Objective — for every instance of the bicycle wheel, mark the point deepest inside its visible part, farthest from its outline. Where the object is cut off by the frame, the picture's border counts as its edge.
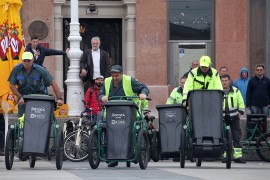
(182, 148)
(155, 147)
(143, 149)
(93, 150)
(73, 152)
(59, 150)
(229, 148)
(9, 149)
(263, 147)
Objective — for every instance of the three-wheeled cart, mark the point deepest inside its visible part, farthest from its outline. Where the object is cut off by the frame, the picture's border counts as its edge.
(121, 136)
(31, 136)
(209, 137)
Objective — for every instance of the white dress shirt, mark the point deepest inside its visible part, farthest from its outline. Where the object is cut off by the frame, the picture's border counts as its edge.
(96, 63)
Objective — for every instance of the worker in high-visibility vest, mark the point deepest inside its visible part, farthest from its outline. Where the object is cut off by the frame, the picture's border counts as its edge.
(233, 107)
(176, 95)
(120, 84)
(202, 77)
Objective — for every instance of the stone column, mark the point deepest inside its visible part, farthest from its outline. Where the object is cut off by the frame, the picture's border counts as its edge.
(58, 44)
(74, 84)
(130, 37)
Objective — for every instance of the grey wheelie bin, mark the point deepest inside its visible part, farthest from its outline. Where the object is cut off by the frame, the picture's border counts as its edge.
(206, 116)
(171, 121)
(120, 117)
(39, 114)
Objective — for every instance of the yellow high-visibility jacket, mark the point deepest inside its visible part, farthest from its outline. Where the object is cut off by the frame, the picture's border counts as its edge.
(196, 81)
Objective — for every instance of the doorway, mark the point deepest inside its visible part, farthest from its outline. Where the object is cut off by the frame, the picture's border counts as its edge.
(109, 31)
(181, 56)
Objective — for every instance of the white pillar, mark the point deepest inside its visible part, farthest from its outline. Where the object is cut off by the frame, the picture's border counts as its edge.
(74, 84)
(58, 44)
(130, 38)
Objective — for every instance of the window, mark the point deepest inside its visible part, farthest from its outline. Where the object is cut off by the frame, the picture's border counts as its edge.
(190, 19)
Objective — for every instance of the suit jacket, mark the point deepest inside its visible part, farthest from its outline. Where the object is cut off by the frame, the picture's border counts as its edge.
(87, 63)
(43, 52)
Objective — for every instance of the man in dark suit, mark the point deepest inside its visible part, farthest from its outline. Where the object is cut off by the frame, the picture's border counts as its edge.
(39, 52)
(94, 62)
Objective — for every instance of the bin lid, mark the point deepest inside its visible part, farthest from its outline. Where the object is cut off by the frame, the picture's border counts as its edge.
(169, 106)
(202, 91)
(39, 97)
(120, 103)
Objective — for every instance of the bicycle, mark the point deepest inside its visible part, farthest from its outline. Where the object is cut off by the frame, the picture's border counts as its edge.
(153, 136)
(76, 142)
(257, 138)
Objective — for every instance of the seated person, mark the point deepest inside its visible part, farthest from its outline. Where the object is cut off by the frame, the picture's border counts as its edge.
(31, 78)
(120, 84)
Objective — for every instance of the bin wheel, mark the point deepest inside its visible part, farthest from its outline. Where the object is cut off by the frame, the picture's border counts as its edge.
(74, 152)
(93, 150)
(128, 164)
(32, 161)
(135, 161)
(263, 147)
(143, 149)
(198, 162)
(59, 150)
(9, 149)
(229, 149)
(155, 153)
(182, 148)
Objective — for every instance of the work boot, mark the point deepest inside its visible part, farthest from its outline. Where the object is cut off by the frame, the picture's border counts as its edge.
(240, 160)
(113, 164)
(224, 160)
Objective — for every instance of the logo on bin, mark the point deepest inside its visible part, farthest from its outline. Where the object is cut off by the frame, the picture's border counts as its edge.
(118, 118)
(170, 116)
(38, 113)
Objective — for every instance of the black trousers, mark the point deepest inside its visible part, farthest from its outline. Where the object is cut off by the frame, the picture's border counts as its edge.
(234, 123)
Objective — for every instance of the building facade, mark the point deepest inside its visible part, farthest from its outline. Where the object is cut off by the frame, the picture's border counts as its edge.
(156, 40)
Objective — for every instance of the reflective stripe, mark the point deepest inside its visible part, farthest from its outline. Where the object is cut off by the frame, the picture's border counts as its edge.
(232, 109)
(232, 114)
(172, 98)
(241, 109)
(237, 153)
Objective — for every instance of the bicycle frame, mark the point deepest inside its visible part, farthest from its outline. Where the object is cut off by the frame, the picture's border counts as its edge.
(252, 138)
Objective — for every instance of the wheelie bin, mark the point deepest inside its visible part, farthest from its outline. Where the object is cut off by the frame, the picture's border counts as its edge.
(171, 121)
(39, 114)
(120, 117)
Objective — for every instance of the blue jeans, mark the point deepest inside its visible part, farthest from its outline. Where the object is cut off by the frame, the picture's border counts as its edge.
(259, 110)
